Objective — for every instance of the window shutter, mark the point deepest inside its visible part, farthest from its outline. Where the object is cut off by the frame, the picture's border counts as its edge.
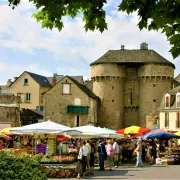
(66, 88)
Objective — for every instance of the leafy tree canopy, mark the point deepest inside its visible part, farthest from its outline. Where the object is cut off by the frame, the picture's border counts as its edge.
(153, 15)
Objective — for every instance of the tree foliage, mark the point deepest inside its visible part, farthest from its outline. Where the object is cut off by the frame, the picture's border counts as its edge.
(157, 15)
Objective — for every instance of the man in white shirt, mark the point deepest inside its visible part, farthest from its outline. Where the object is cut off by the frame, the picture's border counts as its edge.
(83, 152)
(116, 152)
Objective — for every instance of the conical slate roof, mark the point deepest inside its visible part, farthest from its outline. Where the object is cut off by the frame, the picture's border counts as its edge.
(132, 56)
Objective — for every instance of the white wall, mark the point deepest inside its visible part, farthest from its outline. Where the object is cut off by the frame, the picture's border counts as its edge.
(172, 121)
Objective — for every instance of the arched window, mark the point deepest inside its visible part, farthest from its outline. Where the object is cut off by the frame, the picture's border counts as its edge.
(167, 100)
(178, 99)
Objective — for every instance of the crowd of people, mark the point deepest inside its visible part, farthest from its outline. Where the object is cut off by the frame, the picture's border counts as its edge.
(112, 152)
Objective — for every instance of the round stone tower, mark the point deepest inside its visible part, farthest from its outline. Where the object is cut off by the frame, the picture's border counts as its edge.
(130, 84)
(108, 84)
(154, 80)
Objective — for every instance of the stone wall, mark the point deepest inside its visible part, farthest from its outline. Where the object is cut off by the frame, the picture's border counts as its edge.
(9, 99)
(10, 115)
(9, 109)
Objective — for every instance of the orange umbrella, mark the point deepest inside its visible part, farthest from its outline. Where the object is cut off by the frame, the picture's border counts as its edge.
(133, 130)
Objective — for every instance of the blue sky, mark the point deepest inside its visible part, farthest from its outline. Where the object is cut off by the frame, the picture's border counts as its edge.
(24, 45)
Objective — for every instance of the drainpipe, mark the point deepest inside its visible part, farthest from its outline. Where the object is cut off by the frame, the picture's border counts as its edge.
(44, 113)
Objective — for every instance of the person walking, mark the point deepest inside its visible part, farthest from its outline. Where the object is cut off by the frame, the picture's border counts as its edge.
(88, 157)
(92, 158)
(110, 155)
(116, 152)
(129, 151)
(82, 160)
(102, 154)
(138, 152)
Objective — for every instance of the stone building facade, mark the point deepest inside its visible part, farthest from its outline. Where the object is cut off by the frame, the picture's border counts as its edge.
(70, 103)
(9, 110)
(130, 84)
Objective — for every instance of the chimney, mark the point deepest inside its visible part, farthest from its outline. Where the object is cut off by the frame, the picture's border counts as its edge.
(122, 47)
(15, 78)
(144, 46)
(54, 80)
(9, 82)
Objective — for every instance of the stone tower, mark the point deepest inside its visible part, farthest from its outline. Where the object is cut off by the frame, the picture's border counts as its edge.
(130, 84)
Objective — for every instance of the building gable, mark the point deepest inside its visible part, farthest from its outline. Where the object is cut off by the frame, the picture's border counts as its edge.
(41, 80)
(82, 87)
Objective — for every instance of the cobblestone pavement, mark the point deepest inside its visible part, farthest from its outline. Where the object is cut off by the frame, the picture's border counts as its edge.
(147, 172)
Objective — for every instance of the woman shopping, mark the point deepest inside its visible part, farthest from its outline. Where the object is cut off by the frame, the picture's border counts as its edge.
(138, 152)
(110, 154)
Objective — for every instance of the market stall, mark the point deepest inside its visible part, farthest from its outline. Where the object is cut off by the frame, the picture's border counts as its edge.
(171, 155)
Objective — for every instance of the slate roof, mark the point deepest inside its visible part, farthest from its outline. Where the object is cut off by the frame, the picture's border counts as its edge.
(132, 56)
(41, 80)
(77, 78)
(174, 91)
(177, 78)
(172, 94)
(83, 88)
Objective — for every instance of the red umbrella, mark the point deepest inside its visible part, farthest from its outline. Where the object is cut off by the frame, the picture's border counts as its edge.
(62, 138)
(136, 136)
(133, 130)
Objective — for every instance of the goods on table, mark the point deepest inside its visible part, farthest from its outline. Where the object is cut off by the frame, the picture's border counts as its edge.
(51, 146)
(57, 159)
(60, 171)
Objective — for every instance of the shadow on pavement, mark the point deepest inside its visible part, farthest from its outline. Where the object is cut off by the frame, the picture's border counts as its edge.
(111, 174)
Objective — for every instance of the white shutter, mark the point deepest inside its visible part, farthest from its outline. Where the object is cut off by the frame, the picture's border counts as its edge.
(66, 88)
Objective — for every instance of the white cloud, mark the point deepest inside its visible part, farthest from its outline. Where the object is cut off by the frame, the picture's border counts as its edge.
(9, 71)
(21, 33)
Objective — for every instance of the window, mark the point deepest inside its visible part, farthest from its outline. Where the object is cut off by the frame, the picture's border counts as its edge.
(178, 100)
(66, 88)
(154, 85)
(178, 120)
(112, 100)
(167, 100)
(154, 100)
(166, 119)
(131, 98)
(25, 82)
(21, 96)
(28, 97)
(112, 87)
(77, 101)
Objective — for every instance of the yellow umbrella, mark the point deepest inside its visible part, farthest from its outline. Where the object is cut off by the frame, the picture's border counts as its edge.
(6, 130)
(177, 133)
(133, 130)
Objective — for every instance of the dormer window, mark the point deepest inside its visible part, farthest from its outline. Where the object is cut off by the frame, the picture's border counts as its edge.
(25, 82)
(178, 99)
(167, 100)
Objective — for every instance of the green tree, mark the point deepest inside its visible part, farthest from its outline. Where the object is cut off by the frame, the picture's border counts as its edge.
(157, 15)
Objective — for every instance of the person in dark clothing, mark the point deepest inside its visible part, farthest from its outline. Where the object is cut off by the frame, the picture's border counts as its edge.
(92, 158)
(143, 152)
(102, 154)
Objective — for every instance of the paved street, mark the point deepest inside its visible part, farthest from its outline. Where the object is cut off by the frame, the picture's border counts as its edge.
(148, 172)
